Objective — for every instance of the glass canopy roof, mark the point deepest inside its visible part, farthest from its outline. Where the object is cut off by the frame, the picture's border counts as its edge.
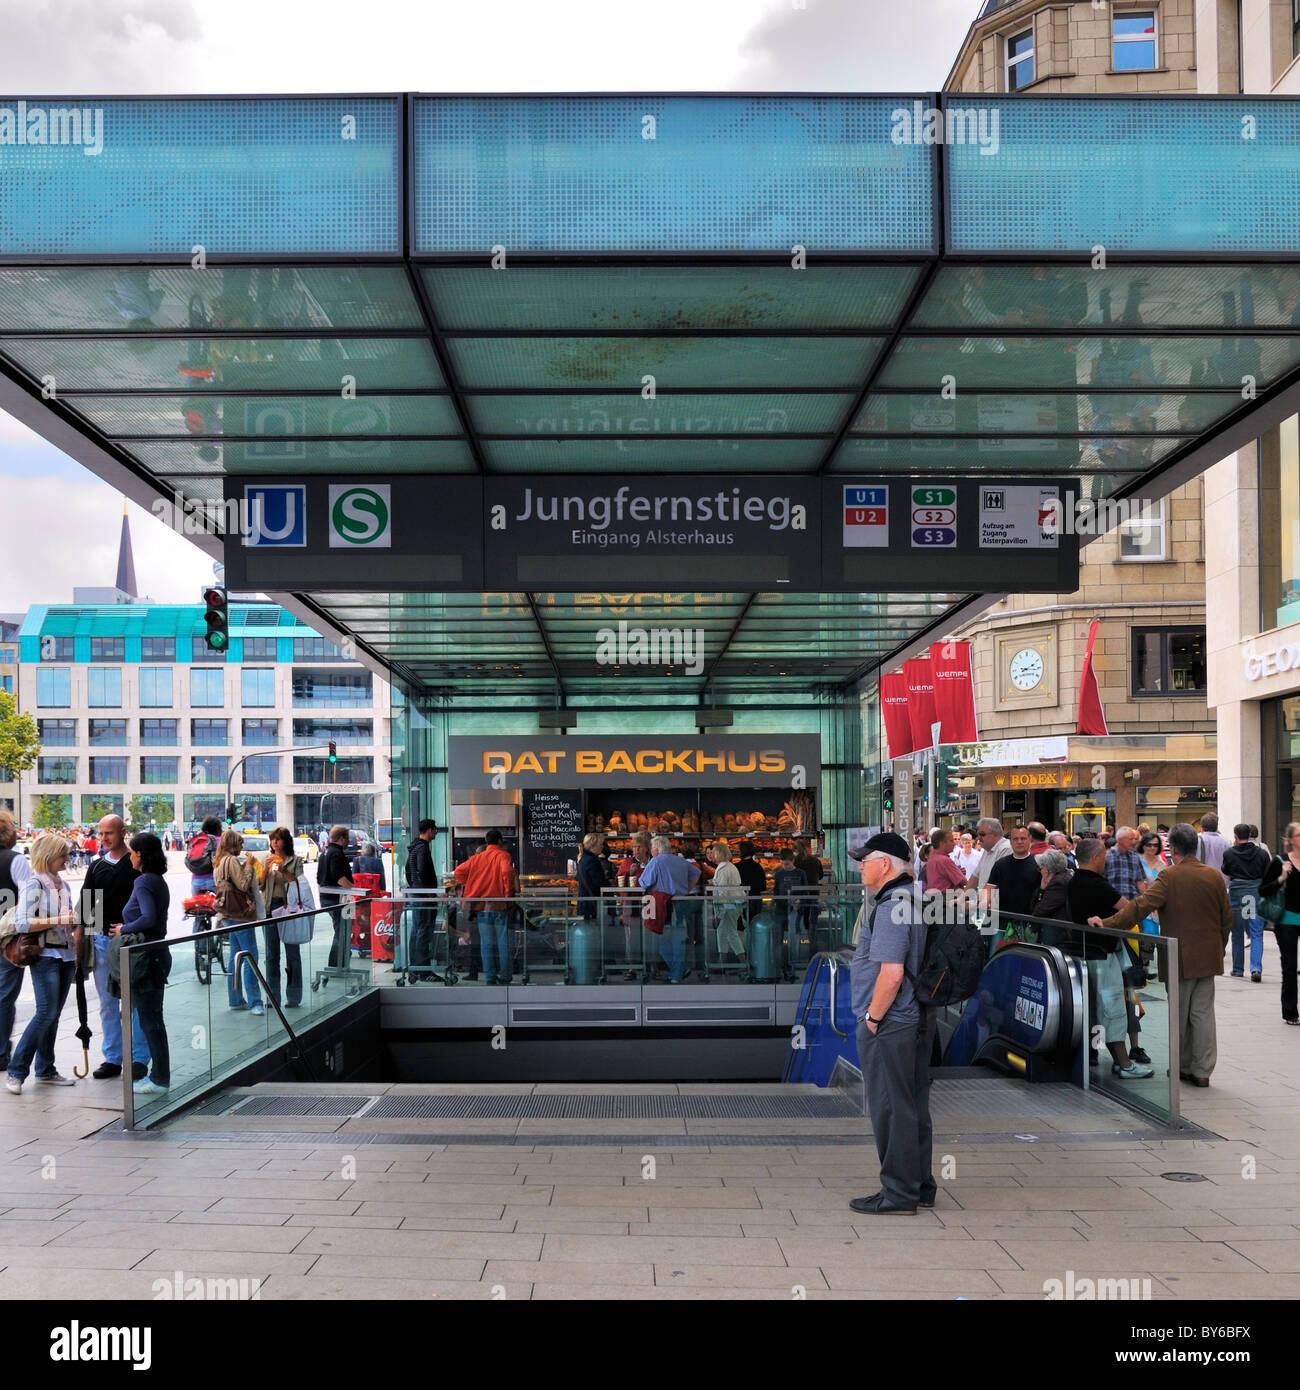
(778, 284)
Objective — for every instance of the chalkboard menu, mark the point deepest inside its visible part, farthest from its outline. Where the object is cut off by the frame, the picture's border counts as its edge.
(553, 830)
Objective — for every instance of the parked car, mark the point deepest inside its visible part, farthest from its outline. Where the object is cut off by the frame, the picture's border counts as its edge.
(306, 848)
(257, 844)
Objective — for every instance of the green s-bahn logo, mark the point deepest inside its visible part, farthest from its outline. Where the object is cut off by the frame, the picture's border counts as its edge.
(361, 515)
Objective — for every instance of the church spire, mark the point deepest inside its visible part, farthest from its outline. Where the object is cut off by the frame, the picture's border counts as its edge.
(125, 560)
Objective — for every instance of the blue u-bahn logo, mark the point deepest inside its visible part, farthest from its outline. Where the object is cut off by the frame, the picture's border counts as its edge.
(275, 515)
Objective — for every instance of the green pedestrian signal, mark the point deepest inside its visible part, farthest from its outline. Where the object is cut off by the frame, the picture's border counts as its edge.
(216, 615)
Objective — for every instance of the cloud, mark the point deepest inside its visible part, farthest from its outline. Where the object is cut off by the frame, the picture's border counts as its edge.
(69, 536)
(846, 45)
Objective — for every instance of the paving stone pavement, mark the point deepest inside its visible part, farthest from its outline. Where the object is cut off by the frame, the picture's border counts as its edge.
(302, 1219)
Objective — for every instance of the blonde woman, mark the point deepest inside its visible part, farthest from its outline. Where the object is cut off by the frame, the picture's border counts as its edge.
(283, 885)
(45, 904)
(231, 868)
(1288, 929)
(728, 894)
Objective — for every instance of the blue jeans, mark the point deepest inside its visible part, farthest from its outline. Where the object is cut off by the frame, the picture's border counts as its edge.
(494, 941)
(51, 979)
(148, 1016)
(292, 965)
(1239, 889)
(672, 944)
(110, 1013)
(11, 983)
(244, 938)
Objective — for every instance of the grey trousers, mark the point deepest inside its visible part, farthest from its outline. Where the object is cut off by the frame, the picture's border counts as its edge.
(1198, 1038)
(896, 1074)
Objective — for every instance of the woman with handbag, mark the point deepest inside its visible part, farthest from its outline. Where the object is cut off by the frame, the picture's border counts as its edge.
(145, 917)
(286, 891)
(239, 902)
(1282, 873)
(47, 940)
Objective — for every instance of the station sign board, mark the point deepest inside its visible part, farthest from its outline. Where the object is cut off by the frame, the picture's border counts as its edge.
(761, 533)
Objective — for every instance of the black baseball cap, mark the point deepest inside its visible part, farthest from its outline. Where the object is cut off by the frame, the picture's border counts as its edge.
(884, 843)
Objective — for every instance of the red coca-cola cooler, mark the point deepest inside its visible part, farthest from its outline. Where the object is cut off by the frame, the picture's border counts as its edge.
(361, 911)
(383, 926)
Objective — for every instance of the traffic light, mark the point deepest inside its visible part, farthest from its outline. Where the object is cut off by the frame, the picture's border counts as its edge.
(887, 794)
(230, 814)
(334, 757)
(942, 789)
(217, 616)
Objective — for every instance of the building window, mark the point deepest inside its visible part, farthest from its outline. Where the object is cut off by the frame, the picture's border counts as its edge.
(57, 733)
(259, 648)
(108, 648)
(96, 805)
(8, 685)
(158, 733)
(261, 771)
(56, 649)
(155, 687)
(160, 809)
(345, 770)
(1279, 525)
(207, 689)
(321, 648)
(1295, 28)
(7, 655)
(1020, 60)
(209, 769)
(53, 687)
(257, 811)
(108, 733)
(340, 730)
(258, 687)
(56, 771)
(104, 688)
(209, 733)
(1143, 538)
(202, 652)
(1134, 46)
(261, 732)
(255, 617)
(326, 689)
(107, 772)
(198, 806)
(158, 648)
(159, 771)
(1169, 661)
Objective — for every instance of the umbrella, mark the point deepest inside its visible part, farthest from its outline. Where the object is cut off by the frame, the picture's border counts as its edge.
(83, 1032)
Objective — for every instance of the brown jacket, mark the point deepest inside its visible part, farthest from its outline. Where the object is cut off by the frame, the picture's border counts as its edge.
(1193, 905)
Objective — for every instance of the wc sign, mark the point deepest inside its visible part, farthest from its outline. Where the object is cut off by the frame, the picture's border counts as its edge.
(361, 516)
(274, 515)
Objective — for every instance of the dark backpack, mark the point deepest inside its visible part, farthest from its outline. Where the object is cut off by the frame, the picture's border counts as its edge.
(951, 965)
(198, 858)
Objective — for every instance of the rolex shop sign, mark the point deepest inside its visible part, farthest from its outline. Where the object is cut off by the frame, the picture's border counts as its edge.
(733, 760)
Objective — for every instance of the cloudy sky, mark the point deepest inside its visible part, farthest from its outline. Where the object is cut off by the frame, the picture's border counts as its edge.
(111, 47)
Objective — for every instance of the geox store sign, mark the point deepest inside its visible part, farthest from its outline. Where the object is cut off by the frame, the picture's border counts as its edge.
(729, 761)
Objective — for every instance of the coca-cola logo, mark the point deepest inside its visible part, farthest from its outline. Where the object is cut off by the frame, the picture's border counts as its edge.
(384, 928)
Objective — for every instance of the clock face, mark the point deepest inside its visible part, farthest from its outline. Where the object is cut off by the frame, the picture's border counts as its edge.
(1026, 669)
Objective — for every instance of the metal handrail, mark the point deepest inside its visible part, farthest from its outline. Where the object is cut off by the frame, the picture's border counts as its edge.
(297, 1051)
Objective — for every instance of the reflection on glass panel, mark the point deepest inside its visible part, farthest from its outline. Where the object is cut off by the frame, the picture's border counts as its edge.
(983, 413)
(672, 414)
(1134, 47)
(719, 455)
(278, 419)
(269, 364)
(1279, 525)
(1075, 296)
(1012, 364)
(758, 298)
(1117, 454)
(177, 461)
(125, 299)
(604, 363)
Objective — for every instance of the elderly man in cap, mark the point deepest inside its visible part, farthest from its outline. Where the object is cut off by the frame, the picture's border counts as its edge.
(894, 1031)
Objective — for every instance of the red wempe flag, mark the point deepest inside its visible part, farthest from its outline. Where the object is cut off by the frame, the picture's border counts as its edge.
(893, 705)
(920, 700)
(954, 691)
(1092, 718)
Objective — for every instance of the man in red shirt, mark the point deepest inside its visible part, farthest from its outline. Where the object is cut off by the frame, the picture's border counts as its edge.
(941, 874)
(1038, 842)
(490, 878)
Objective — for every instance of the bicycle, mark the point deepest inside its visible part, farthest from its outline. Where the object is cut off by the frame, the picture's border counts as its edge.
(202, 909)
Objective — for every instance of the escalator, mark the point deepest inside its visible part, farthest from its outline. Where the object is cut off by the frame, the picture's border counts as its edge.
(1026, 1019)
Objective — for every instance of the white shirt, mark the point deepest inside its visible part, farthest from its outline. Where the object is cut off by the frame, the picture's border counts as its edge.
(989, 858)
(967, 860)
